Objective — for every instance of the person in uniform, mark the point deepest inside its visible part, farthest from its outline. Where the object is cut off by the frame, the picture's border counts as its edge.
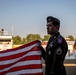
(56, 49)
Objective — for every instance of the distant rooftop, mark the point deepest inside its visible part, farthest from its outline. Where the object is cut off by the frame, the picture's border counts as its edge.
(71, 42)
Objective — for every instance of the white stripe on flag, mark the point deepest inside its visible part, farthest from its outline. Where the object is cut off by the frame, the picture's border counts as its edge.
(25, 72)
(23, 63)
(16, 59)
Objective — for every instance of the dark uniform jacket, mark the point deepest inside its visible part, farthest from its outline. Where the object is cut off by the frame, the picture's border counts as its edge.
(55, 54)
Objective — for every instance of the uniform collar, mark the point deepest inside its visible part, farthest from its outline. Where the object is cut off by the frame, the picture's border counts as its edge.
(55, 34)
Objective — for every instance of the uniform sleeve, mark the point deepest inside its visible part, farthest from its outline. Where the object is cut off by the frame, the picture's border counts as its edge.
(59, 54)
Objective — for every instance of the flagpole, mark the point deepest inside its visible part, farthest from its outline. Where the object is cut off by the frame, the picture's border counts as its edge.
(12, 36)
(12, 30)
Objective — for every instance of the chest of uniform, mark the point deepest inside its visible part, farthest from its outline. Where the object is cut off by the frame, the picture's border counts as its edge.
(51, 47)
(54, 46)
(52, 43)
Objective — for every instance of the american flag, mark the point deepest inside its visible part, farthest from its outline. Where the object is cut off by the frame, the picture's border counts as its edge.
(23, 60)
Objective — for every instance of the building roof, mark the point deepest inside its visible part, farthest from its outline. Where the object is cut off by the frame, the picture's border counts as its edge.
(5, 37)
(70, 42)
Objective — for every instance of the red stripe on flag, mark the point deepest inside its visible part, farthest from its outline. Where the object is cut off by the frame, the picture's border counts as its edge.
(37, 57)
(32, 74)
(19, 54)
(25, 67)
(34, 66)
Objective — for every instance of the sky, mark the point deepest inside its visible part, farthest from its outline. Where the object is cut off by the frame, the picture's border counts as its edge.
(23, 17)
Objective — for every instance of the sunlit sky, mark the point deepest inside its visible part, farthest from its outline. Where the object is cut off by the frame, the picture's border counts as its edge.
(23, 17)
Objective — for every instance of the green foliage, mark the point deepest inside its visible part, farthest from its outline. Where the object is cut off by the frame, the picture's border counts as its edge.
(71, 37)
(46, 37)
(17, 40)
(32, 37)
(24, 41)
(29, 38)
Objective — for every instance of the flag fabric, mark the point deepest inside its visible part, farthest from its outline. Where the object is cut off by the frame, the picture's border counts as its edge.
(23, 60)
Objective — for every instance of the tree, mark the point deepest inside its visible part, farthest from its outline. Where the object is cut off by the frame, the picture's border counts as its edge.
(17, 40)
(32, 37)
(71, 37)
(46, 37)
(24, 41)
